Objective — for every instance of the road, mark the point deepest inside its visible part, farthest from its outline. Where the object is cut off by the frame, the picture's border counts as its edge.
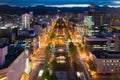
(39, 61)
(60, 43)
(80, 66)
(39, 64)
(83, 66)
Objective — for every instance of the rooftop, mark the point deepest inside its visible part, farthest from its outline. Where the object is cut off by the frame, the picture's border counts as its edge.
(96, 36)
(107, 54)
(99, 37)
(26, 34)
(2, 45)
(13, 53)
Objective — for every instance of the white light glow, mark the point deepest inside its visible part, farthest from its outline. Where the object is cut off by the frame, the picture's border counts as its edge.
(117, 6)
(116, 2)
(40, 73)
(78, 74)
(3, 28)
(60, 50)
(69, 5)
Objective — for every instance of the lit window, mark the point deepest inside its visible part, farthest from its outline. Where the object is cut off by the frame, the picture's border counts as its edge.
(111, 63)
(117, 61)
(112, 70)
(103, 60)
(108, 64)
(107, 60)
(114, 60)
(110, 60)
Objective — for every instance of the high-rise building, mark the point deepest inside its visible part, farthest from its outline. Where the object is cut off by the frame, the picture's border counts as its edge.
(98, 19)
(88, 24)
(92, 8)
(26, 21)
(31, 15)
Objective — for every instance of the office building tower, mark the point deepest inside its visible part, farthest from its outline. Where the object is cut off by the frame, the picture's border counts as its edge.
(26, 21)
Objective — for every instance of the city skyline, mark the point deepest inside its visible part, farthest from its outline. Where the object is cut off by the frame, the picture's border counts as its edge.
(60, 40)
(60, 3)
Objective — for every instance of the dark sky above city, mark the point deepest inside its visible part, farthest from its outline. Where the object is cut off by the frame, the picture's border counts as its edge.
(61, 3)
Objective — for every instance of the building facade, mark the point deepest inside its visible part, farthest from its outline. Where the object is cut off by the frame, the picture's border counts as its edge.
(97, 43)
(26, 21)
(107, 61)
(14, 69)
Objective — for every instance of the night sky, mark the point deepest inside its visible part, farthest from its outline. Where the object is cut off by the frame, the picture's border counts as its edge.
(59, 3)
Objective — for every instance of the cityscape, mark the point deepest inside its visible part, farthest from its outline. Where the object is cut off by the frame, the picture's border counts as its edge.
(75, 40)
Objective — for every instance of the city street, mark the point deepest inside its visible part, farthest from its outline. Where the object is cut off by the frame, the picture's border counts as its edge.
(39, 64)
(59, 39)
(74, 65)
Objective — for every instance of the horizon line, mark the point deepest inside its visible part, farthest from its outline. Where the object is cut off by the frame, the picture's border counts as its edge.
(62, 5)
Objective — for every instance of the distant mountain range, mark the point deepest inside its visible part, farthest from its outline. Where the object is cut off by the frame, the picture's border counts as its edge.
(5, 9)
